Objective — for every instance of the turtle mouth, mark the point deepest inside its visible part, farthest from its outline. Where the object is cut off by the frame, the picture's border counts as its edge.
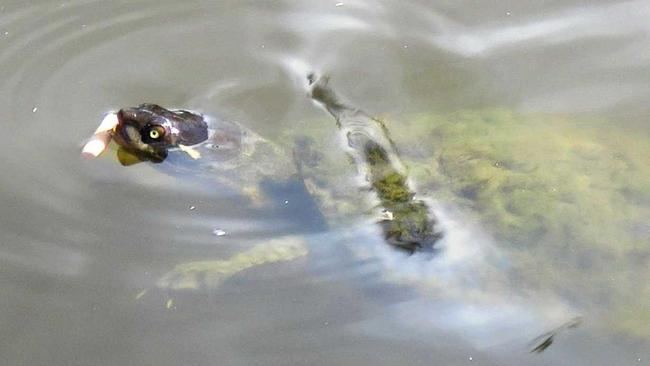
(128, 136)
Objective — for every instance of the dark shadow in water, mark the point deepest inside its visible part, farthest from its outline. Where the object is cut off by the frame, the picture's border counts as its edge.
(296, 202)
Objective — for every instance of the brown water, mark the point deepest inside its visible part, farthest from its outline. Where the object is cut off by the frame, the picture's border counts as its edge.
(79, 240)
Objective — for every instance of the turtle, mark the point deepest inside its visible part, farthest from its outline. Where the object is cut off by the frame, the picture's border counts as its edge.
(383, 189)
(237, 158)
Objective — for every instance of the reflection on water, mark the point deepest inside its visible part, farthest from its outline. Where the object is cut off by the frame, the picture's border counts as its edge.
(457, 85)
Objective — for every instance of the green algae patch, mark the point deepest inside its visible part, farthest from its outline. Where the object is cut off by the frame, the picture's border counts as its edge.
(569, 199)
(410, 224)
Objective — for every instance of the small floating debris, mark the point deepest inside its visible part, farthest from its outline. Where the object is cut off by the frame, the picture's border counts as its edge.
(218, 232)
(101, 138)
(170, 304)
(544, 341)
(193, 153)
(387, 215)
(338, 4)
(140, 294)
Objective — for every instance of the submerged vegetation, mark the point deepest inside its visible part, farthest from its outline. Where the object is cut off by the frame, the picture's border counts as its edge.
(411, 224)
(569, 199)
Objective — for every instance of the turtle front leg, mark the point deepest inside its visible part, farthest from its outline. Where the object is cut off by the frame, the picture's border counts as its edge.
(210, 274)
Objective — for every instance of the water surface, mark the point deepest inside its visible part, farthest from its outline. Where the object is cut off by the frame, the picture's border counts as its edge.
(555, 91)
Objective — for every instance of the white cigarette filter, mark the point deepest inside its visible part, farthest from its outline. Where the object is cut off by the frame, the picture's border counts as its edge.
(98, 143)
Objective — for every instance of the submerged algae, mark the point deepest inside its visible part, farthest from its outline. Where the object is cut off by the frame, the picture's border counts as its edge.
(569, 199)
(410, 224)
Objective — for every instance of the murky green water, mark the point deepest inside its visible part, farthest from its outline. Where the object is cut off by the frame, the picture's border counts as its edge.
(523, 123)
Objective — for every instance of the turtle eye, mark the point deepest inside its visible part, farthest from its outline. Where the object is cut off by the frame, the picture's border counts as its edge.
(153, 133)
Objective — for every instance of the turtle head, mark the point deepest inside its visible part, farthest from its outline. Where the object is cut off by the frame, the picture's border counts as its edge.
(149, 131)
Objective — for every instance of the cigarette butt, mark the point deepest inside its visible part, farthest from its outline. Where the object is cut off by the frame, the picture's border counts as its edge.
(96, 145)
(102, 137)
(108, 123)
